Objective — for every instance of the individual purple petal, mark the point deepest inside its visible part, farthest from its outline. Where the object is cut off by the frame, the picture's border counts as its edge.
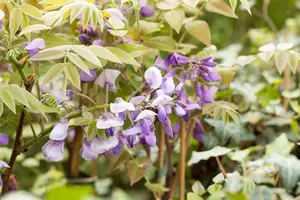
(168, 128)
(182, 97)
(117, 13)
(34, 46)
(3, 164)
(120, 106)
(206, 59)
(168, 85)
(198, 89)
(110, 131)
(107, 76)
(153, 77)
(117, 149)
(86, 78)
(54, 150)
(145, 114)
(101, 146)
(198, 131)
(146, 11)
(160, 64)
(161, 100)
(207, 94)
(214, 76)
(150, 139)
(57, 94)
(176, 59)
(132, 131)
(60, 130)
(85, 39)
(162, 116)
(180, 111)
(107, 122)
(4, 139)
(131, 140)
(122, 115)
(145, 125)
(86, 151)
(98, 42)
(176, 128)
(193, 106)
(180, 85)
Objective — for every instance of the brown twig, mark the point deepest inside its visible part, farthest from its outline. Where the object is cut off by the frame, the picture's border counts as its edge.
(74, 153)
(169, 174)
(182, 160)
(221, 167)
(161, 150)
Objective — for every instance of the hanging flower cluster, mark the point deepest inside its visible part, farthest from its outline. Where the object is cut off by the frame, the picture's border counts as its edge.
(4, 139)
(142, 111)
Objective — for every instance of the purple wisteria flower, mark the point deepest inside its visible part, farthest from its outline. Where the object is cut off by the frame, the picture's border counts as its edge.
(4, 139)
(205, 93)
(60, 130)
(86, 78)
(176, 59)
(116, 13)
(203, 68)
(54, 150)
(104, 145)
(198, 131)
(146, 11)
(57, 94)
(86, 151)
(107, 77)
(88, 35)
(120, 107)
(108, 121)
(153, 77)
(34, 46)
(2, 14)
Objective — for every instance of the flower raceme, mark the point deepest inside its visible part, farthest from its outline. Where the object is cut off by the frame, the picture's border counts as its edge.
(4, 139)
(142, 111)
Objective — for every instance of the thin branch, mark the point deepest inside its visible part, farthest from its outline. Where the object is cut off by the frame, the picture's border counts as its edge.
(222, 169)
(161, 149)
(182, 160)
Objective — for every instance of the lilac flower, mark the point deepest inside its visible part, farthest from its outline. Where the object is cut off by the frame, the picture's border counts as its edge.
(4, 139)
(137, 100)
(180, 109)
(120, 106)
(162, 115)
(2, 14)
(205, 93)
(116, 13)
(86, 78)
(180, 85)
(108, 121)
(86, 151)
(101, 146)
(176, 128)
(146, 11)
(117, 149)
(202, 68)
(160, 64)
(34, 46)
(176, 59)
(60, 130)
(107, 77)
(168, 85)
(161, 100)
(153, 77)
(54, 150)
(198, 131)
(131, 139)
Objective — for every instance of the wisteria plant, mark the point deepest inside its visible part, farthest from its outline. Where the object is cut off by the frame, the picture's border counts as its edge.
(116, 80)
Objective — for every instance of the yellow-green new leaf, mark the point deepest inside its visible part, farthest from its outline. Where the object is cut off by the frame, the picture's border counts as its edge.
(16, 92)
(34, 28)
(87, 54)
(192, 3)
(220, 7)
(31, 11)
(167, 4)
(227, 74)
(76, 10)
(293, 62)
(48, 54)
(200, 30)
(104, 53)
(135, 172)
(76, 60)
(246, 5)
(72, 75)
(233, 4)
(1, 107)
(15, 21)
(281, 60)
(55, 71)
(124, 57)
(8, 99)
(24, 24)
(175, 19)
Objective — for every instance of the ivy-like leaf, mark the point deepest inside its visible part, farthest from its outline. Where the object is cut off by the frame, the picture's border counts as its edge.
(118, 160)
(220, 7)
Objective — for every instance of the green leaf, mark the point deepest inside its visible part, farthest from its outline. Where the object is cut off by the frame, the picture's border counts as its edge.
(135, 50)
(104, 53)
(218, 178)
(86, 16)
(31, 11)
(233, 4)
(137, 169)
(48, 54)
(118, 160)
(164, 43)
(49, 100)
(17, 94)
(278, 143)
(193, 196)
(79, 121)
(72, 75)
(8, 99)
(192, 3)
(167, 4)
(76, 10)
(124, 57)
(91, 130)
(234, 183)
(205, 155)
(145, 29)
(24, 24)
(119, 33)
(34, 28)
(220, 7)
(293, 62)
(156, 188)
(175, 19)
(87, 54)
(76, 60)
(1, 107)
(281, 60)
(198, 188)
(227, 74)
(212, 189)
(55, 71)
(15, 21)
(246, 5)
(200, 30)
